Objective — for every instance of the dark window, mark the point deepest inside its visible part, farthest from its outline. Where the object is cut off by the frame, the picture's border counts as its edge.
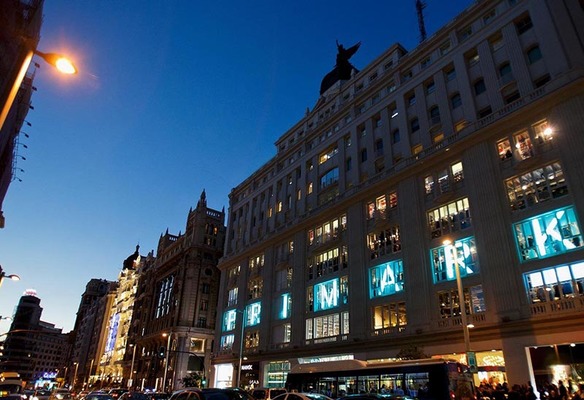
(395, 136)
(456, 100)
(504, 70)
(363, 155)
(485, 111)
(523, 24)
(205, 288)
(534, 54)
(450, 74)
(415, 124)
(511, 97)
(349, 163)
(542, 80)
(434, 115)
(479, 86)
(430, 87)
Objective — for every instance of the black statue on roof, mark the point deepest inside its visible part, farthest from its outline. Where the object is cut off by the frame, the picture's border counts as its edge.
(343, 69)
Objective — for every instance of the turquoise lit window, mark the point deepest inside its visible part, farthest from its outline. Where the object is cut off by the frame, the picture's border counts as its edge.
(229, 320)
(386, 279)
(442, 260)
(253, 312)
(547, 235)
(326, 295)
(555, 283)
(227, 342)
(285, 305)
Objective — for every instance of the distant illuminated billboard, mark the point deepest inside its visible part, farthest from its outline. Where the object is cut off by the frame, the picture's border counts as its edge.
(113, 333)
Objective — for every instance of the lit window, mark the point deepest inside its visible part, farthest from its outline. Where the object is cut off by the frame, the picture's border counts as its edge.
(523, 145)
(417, 149)
(429, 184)
(474, 302)
(451, 217)
(309, 188)
(386, 279)
(443, 260)
(229, 319)
(504, 149)
(536, 186)
(548, 234)
(392, 315)
(555, 283)
(253, 313)
(227, 342)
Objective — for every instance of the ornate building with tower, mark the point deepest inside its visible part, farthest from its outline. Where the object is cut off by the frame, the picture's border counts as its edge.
(173, 321)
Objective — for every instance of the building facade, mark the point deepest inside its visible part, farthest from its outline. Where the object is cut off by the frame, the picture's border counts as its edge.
(89, 333)
(20, 26)
(34, 348)
(461, 157)
(112, 366)
(173, 323)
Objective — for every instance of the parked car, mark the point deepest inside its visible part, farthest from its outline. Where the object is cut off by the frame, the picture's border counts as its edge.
(60, 394)
(375, 396)
(99, 396)
(267, 393)
(211, 394)
(301, 396)
(117, 392)
(41, 394)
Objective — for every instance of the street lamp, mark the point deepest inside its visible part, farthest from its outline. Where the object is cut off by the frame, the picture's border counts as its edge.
(241, 346)
(168, 335)
(58, 61)
(75, 374)
(11, 276)
(131, 380)
(461, 302)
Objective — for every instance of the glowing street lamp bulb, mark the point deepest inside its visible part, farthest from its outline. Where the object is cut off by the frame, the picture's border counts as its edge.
(65, 66)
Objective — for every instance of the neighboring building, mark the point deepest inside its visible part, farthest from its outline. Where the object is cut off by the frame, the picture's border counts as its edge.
(114, 360)
(20, 25)
(90, 330)
(337, 247)
(175, 308)
(34, 348)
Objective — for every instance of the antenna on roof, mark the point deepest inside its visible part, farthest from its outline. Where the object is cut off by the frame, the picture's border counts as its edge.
(420, 5)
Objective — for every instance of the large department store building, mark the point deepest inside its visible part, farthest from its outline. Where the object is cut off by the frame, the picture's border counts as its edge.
(337, 247)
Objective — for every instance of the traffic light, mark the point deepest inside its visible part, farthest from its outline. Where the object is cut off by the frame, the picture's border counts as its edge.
(162, 352)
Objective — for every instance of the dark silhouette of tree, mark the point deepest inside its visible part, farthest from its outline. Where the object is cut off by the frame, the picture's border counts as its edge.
(411, 352)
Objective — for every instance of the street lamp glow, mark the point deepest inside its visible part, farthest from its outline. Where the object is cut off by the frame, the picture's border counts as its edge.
(62, 63)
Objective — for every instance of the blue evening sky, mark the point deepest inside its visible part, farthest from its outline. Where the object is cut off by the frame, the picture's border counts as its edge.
(172, 97)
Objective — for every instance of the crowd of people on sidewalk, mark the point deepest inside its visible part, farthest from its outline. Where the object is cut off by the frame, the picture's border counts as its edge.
(547, 391)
